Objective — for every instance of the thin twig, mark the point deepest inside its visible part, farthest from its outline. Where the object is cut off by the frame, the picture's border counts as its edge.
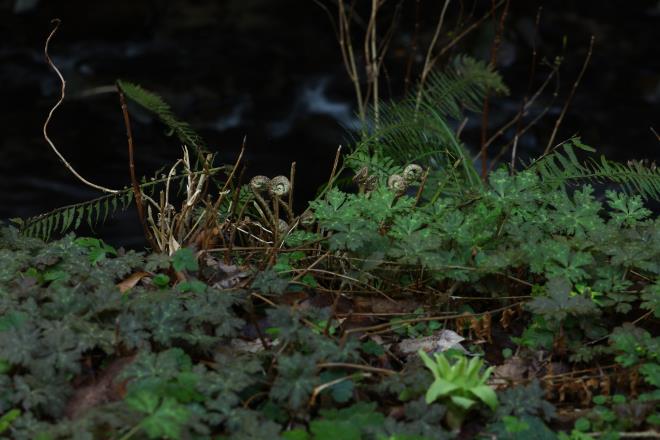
(356, 367)
(334, 167)
(420, 190)
(493, 61)
(57, 22)
(428, 64)
(463, 34)
(292, 180)
(570, 96)
(348, 56)
(346, 277)
(371, 55)
(137, 192)
(523, 104)
(413, 49)
(655, 133)
(389, 326)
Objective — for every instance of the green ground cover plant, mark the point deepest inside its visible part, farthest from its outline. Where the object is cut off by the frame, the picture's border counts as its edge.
(247, 320)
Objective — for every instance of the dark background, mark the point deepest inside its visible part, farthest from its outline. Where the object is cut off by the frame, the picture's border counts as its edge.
(271, 70)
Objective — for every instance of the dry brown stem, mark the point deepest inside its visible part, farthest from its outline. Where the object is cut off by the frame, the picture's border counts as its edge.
(68, 166)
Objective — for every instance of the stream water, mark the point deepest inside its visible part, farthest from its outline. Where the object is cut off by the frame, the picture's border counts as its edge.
(271, 71)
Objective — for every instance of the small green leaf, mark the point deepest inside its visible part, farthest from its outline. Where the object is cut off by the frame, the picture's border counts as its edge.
(486, 394)
(514, 424)
(582, 424)
(143, 400)
(463, 402)
(268, 281)
(439, 388)
(373, 348)
(161, 280)
(7, 418)
(618, 399)
(194, 286)
(167, 420)
(185, 259)
(296, 434)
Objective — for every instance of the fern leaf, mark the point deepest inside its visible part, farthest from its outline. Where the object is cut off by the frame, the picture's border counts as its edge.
(416, 129)
(79, 216)
(156, 105)
(105, 210)
(464, 84)
(562, 166)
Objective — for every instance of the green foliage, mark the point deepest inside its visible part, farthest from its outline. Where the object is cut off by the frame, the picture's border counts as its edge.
(96, 211)
(461, 385)
(559, 168)
(67, 218)
(415, 129)
(347, 423)
(269, 281)
(184, 259)
(581, 262)
(521, 401)
(559, 303)
(7, 418)
(155, 104)
(612, 415)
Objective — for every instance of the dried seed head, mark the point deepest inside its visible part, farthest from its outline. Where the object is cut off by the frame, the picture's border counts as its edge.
(282, 226)
(371, 183)
(259, 183)
(307, 218)
(397, 183)
(279, 186)
(413, 173)
(362, 175)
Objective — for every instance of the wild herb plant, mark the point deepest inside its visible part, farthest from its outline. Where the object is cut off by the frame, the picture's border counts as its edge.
(460, 383)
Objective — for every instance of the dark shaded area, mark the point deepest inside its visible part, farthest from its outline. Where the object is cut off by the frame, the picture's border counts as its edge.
(271, 71)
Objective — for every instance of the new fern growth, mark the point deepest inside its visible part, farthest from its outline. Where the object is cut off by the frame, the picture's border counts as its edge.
(416, 129)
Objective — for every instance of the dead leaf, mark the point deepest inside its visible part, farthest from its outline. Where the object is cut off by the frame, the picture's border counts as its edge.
(131, 281)
(513, 369)
(225, 276)
(100, 391)
(437, 343)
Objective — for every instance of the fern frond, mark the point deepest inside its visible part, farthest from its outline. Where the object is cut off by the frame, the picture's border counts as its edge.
(156, 105)
(562, 166)
(463, 85)
(416, 129)
(70, 217)
(95, 211)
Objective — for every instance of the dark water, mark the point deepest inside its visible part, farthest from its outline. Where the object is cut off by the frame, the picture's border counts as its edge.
(271, 70)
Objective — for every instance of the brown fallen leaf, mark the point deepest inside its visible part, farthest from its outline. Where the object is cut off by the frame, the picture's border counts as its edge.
(130, 282)
(225, 276)
(102, 390)
(513, 369)
(438, 342)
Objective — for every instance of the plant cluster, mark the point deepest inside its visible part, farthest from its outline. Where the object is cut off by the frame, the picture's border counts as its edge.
(250, 321)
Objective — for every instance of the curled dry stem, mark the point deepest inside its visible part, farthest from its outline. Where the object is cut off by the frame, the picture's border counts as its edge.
(52, 65)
